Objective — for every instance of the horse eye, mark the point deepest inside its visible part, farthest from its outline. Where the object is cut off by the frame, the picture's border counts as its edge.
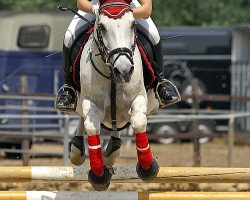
(102, 28)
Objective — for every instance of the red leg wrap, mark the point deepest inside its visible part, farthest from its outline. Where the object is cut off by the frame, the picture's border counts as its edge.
(95, 155)
(143, 150)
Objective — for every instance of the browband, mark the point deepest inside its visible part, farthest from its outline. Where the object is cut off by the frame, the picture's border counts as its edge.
(118, 4)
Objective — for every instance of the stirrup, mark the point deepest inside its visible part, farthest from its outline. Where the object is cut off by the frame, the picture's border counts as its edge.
(163, 105)
(72, 106)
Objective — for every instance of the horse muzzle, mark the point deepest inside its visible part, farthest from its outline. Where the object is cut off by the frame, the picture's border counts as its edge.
(123, 74)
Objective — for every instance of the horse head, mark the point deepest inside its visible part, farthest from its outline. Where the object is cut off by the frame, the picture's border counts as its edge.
(115, 38)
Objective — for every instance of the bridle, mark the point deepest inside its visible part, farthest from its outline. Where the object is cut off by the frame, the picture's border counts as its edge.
(105, 53)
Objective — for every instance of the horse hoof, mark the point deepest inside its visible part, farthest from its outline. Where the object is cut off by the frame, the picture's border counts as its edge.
(112, 151)
(100, 183)
(150, 173)
(77, 151)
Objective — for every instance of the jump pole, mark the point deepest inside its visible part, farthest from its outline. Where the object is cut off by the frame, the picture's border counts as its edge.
(127, 175)
(41, 195)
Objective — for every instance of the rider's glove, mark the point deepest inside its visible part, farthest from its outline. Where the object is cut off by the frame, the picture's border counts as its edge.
(95, 9)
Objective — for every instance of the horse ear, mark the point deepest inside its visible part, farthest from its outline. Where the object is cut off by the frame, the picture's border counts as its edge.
(110, 1)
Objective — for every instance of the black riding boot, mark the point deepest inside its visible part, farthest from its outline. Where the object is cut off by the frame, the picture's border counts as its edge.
(167, 92)
(66, 101)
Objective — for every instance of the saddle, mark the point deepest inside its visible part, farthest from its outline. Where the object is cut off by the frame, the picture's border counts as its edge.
(144, 44)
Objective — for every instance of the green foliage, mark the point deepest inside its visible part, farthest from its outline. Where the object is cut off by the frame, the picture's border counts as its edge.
(201, 13)
(34, 5)
(165, 12)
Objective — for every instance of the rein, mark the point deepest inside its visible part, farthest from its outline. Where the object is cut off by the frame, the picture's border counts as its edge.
(96, 68)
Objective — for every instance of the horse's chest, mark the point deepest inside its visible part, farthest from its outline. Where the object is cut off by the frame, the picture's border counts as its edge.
(123, 105)
(121, 100)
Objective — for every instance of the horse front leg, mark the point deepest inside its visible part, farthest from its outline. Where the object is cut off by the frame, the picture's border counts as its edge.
(77, 149)
(113, 149)
(147, 167)
(99, 176)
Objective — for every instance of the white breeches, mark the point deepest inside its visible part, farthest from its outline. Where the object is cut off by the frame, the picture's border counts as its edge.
(77, 26)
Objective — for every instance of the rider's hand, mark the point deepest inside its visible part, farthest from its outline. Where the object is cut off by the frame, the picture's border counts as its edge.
(95, 9)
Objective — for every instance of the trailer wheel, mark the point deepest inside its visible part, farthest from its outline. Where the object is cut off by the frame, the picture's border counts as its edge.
(205, 128)
(164, 130)
(13, 146)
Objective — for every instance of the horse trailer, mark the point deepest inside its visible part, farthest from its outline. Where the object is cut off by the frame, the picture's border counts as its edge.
(30, 63)
(30, 45)
(241, 73)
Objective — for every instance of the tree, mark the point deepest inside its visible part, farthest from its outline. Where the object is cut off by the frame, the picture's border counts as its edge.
(33, 5)
(165, 12)
(201, 13)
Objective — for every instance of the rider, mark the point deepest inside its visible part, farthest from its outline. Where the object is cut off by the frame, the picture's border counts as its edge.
(89, 9)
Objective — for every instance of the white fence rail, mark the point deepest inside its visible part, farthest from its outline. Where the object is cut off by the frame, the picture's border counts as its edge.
(62, 125)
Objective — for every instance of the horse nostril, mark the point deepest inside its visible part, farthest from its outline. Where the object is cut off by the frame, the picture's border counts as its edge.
(116, 71)
(131, 70)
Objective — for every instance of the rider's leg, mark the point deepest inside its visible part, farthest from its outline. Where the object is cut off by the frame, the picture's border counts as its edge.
(66, 100)
(166, 91)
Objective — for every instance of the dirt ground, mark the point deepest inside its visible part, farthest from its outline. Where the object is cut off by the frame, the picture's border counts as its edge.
(213, 154)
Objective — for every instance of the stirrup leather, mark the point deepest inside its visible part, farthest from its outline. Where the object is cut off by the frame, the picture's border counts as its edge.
(72, 106)
(162, 105)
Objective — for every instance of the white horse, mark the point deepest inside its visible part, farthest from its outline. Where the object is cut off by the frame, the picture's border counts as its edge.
(111, 57)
